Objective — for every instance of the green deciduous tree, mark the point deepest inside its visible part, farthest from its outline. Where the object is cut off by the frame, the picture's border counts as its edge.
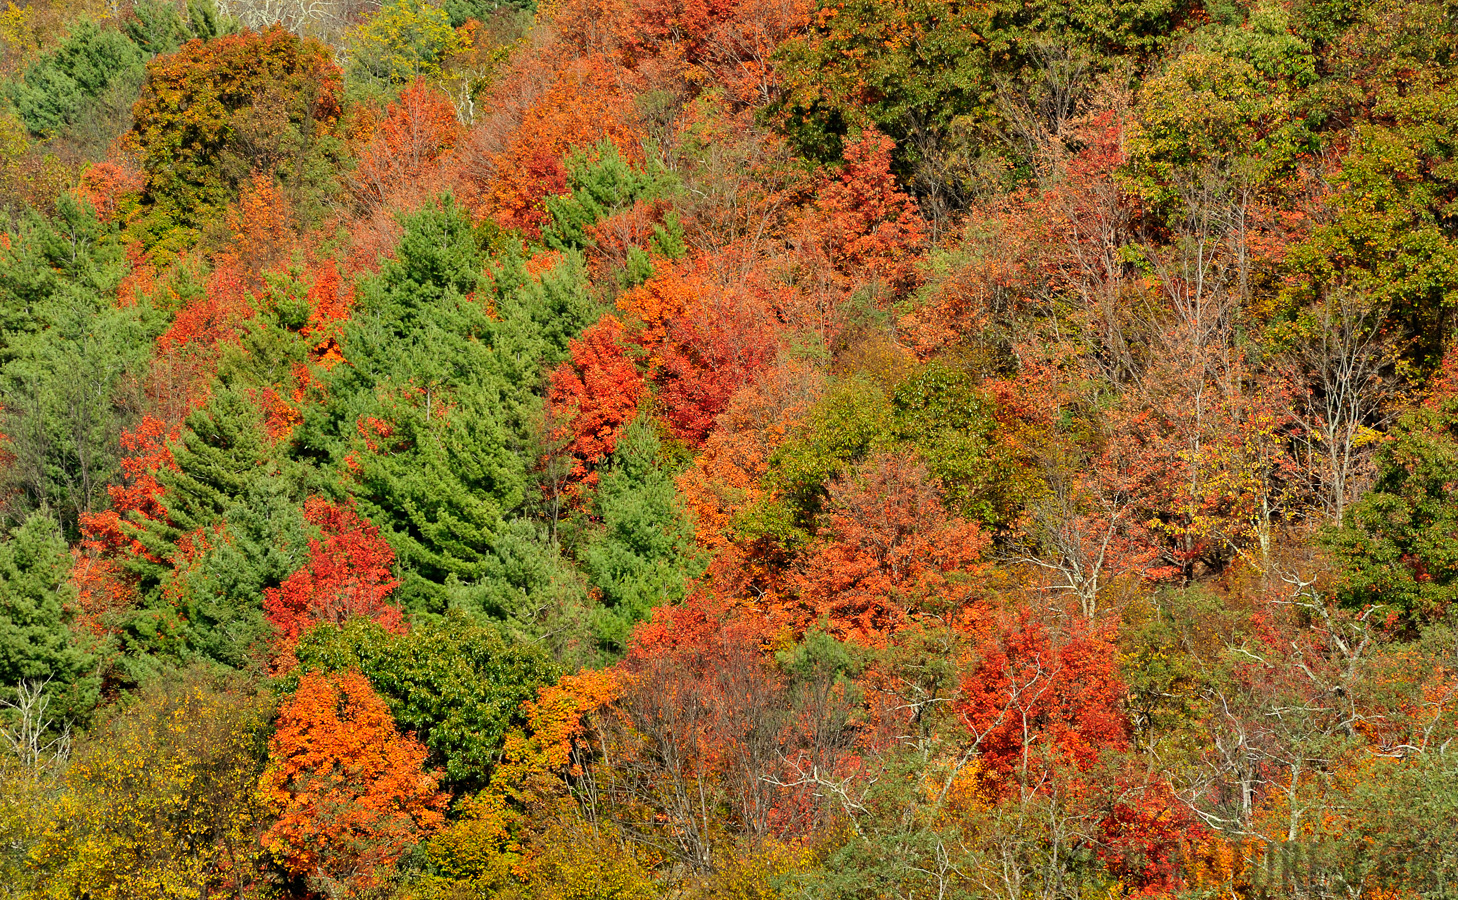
(1399, 544)
(456, 684)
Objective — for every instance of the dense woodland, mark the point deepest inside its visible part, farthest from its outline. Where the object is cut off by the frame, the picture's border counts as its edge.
(733, 449)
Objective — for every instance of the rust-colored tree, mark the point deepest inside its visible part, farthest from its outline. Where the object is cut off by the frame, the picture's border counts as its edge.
(720, 338)
(107, 184)
(869, 226)
(418, 129)
(187, 352)
(888, 554)
(330, 302)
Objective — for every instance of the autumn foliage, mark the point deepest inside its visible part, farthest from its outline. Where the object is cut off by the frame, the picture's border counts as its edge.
(1038, 701)
(867, 224)
(592, 397)
(728, 448)
(417, 129)
(350, 791)
(347, 575)
(888, 554)
(583, 106)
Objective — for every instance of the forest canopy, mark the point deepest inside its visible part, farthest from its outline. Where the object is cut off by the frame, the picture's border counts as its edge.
(749, 449)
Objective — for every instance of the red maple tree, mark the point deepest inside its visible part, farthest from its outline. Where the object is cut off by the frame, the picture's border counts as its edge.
(592, 398)
(347, 575)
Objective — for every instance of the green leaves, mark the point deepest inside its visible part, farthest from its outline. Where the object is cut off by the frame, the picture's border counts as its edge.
(457, 685)
(67, 355)
(1399, 545)
(601, 184)
(36, 642)
(423, 413)
(938, 411)
(57, 85)
(643, 556)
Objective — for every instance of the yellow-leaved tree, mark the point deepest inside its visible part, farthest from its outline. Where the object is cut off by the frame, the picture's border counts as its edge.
(405, 40)
(160, 800)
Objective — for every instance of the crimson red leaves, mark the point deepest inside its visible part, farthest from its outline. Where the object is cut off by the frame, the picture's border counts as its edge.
(347, 575)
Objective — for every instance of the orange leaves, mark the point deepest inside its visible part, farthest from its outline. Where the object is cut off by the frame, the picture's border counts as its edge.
(264, 230)
(555, 718)
(103, 589)
(724, 478)
(535, 762)
(889, 551)
(348, 574)
(279, 416)
(104, 184)
(330, 301)
(1039, 701)
(188, 351)
(651, 306)
(418, 129)
(704, 340)
(591, 400)
(869, 225)
(698, 44)
(350, 791)
(213, 318)
(584, 105)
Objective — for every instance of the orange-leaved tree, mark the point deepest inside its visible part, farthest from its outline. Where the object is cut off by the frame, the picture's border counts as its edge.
(265, 229)
(350, 791)
(584, 105)
(888, 553)
(869, 226)
(721, 336)
(417, 130)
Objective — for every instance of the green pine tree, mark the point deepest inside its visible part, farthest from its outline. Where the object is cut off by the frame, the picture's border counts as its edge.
(643, 555)
(36, 641)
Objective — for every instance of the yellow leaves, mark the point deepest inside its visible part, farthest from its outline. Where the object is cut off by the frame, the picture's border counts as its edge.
(481, 849)
(1365, 436)
(160, 804)
(578, 861)
(406, 40)
(18, 37)
(752, 871)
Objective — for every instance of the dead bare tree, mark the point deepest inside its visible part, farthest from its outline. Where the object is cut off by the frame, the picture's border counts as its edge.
(1346, 363)
(34, 740)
